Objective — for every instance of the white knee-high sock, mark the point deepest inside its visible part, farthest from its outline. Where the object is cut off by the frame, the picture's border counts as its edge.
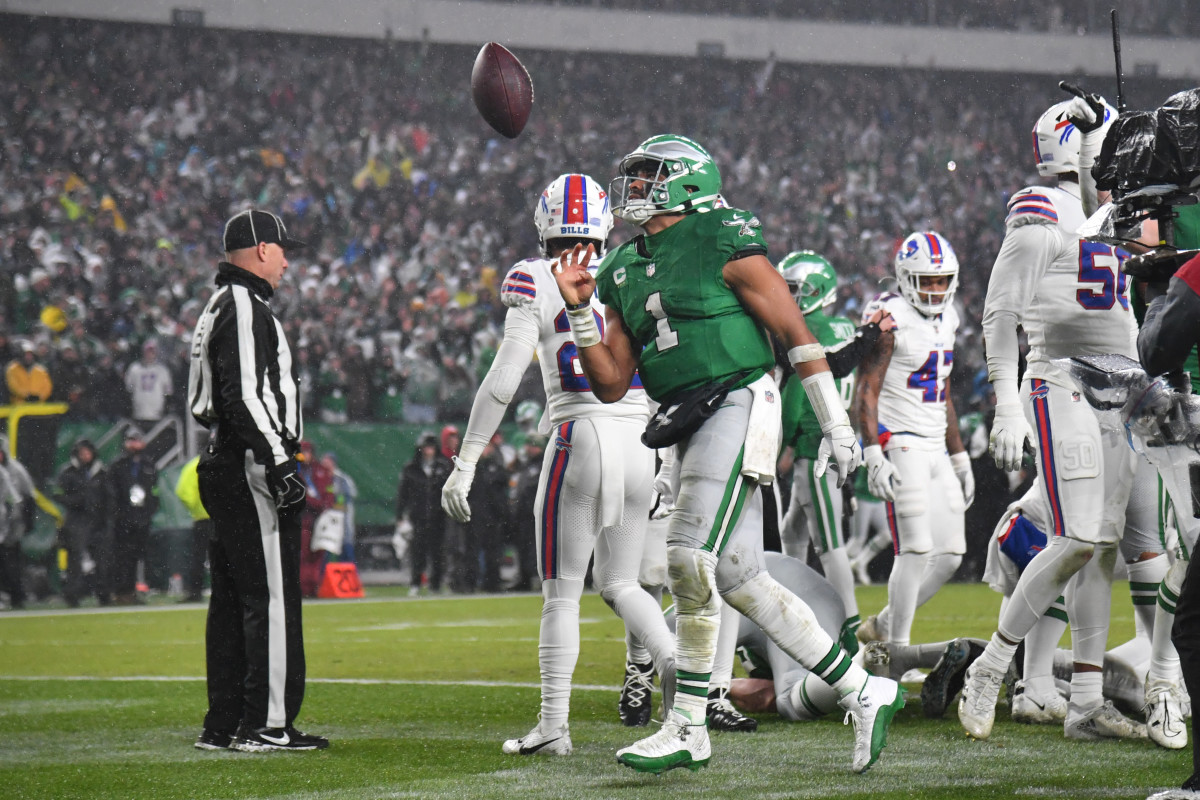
(1144, 579)
(697, 623)
(904, 586)
(1040, 645)
(836, 564)
(1089, 603)
(790, 623)
(635, 651)
(644, 619)
(1043, 580)
(1164, 661)
(722, 671)
(558, 647)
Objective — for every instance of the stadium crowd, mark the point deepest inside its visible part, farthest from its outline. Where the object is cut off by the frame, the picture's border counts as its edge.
(126, 147)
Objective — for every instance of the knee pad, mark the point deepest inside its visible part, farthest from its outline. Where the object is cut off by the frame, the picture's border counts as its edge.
(692, 574)
(611, 593)
(910, 501)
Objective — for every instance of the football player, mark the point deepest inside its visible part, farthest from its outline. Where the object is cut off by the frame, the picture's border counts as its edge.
(815, 510)
(689, 303)
(594, 495)
(1070, 297)
(911, 445)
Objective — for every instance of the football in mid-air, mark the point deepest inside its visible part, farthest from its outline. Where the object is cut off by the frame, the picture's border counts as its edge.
(502, 90)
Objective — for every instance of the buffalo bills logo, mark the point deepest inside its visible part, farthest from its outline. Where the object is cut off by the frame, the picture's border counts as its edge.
(562, 445)
(911, 248)
(1041, 392)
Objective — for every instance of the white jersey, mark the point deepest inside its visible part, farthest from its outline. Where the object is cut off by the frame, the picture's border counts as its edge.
(1069, 295)
(536, 309)
(149, 386)
(913, 396)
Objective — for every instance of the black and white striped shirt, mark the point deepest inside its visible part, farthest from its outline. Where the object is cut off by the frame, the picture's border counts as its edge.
(242, 376)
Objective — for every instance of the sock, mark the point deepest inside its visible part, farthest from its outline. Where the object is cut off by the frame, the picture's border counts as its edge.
(1040, 645)
(697, 625)
(904, 586)
(1164, 661)
(722, 671)
(1144, 579)
(558, 648)
(998, 654)
(836, 565)
(1086, 690)
(644, 620)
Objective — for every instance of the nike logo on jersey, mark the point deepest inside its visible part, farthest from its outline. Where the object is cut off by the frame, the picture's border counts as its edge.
(528, 750)
(278, 740)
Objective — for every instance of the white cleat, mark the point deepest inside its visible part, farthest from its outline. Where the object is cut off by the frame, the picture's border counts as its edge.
(678, 743)
(540, 743)
(977, 706)
(858, 566)
(869, 631)
(1031, 708)
(1164, 720)
(1101, 722)
(871, 710)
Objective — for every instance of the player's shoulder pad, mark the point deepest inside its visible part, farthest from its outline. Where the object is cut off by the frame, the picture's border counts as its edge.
(520, 286)
(1033, 205)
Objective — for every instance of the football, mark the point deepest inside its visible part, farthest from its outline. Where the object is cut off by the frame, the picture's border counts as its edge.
(501, 89)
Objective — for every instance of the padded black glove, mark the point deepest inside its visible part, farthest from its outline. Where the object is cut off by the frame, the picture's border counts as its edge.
(286, 487)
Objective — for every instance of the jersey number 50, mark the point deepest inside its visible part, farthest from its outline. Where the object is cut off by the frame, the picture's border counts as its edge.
(1108, 276)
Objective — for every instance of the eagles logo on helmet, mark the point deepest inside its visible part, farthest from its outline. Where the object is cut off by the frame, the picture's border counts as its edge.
(926, 254)
(573, 206)
(675, 175)
(810, 278)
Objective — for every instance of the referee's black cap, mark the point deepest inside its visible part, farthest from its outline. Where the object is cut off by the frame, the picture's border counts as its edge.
(252, 227)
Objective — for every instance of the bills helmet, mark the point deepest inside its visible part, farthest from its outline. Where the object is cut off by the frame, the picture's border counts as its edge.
(576, 207)
(926, 254)
(810, 278)
(1056, 140)
(678, 176)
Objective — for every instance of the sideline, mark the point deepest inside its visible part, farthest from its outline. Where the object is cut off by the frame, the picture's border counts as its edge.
(349, 681)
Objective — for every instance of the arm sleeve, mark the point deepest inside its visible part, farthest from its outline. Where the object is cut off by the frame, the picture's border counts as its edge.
(1022, 261)
(1169, 331)
(501, 381)
(844, 358)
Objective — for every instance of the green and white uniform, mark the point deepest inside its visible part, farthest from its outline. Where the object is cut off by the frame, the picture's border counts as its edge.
(689, 329)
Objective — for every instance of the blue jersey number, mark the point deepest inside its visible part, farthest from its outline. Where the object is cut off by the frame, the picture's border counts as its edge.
(570, 371)
(1109, 279)
(925, 378)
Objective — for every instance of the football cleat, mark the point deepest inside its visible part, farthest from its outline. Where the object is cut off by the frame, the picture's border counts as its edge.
(261, 740)
(214, 740)
(1189, 791)
(977, 706)
(871, 711)
(1031, 708)
(722, 716)
(678, 743)
(869, 630)
(634, 703)
(1164, 720)
(541, 743)
(1101, 722)
(945, 680)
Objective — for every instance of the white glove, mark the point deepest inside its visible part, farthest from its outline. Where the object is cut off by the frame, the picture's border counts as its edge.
(1009, 434)
(882, 476)
(841, 445)
(401, 537)
(961, 462)
(458, 486)
(665, 485)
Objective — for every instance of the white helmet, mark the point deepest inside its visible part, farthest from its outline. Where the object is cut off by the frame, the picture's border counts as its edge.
(921, 254)
(573, 206)
(1056, 140)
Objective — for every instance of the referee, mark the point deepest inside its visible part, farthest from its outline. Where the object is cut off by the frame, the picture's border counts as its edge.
(243, 388)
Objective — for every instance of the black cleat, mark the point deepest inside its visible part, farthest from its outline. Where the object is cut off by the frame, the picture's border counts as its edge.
(634, 705)
(944, 683)
(214, 740)
(722, 716)
(260, 740)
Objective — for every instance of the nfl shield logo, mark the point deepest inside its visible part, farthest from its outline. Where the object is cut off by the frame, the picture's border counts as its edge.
(650, 270)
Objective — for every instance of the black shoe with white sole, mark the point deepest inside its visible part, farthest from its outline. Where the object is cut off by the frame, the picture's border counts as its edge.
(722, 716)
(259, 740)
(634, 703)
(214, 740)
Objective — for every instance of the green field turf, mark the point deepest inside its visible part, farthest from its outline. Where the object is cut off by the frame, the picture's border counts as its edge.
(417, 695)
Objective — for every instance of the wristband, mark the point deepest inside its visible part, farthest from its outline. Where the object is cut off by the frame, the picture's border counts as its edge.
(802, 354)
(825, 399)
(583, 326)
(577, 306)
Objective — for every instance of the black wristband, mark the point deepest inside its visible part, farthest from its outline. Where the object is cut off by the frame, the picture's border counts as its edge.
(578, 306)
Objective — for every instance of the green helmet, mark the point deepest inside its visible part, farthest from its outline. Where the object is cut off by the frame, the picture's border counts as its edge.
(680, 174)
(811, 279)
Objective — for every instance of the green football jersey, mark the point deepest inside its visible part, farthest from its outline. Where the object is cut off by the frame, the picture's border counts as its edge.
(685, 322)
(800, 427)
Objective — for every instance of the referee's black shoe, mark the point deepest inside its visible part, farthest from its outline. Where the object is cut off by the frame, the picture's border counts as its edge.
(214, 740)
(259, 740)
